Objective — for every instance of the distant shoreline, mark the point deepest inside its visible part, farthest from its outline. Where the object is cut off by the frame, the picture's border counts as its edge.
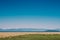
(21, 31)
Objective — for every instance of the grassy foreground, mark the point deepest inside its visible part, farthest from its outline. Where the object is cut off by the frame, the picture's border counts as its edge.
(34, 37)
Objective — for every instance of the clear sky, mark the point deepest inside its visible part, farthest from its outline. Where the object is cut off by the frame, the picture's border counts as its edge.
(30, 14)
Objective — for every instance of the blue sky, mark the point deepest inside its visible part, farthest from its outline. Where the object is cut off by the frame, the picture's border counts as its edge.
(30, 14)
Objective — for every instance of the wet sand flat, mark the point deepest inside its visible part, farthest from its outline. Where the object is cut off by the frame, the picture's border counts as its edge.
(8, 34)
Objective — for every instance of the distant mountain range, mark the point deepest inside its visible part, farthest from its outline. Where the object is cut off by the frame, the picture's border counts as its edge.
(29, 30)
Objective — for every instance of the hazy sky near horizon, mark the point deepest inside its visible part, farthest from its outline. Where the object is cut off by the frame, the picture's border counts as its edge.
(30, 14)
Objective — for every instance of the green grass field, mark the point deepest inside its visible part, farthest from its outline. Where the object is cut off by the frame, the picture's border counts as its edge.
(34, 37)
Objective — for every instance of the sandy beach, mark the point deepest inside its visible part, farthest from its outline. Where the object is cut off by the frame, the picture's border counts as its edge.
(8, 34)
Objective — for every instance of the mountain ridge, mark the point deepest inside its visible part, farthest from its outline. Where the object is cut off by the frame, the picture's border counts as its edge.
(29, 30)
